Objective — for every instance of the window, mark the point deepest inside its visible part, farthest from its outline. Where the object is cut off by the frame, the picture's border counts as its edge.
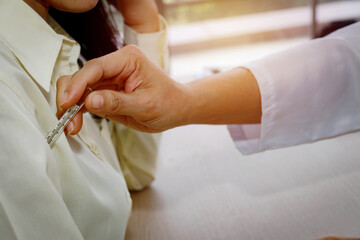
(185, 11)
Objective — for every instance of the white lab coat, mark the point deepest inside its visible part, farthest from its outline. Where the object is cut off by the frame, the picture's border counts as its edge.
(308, 93)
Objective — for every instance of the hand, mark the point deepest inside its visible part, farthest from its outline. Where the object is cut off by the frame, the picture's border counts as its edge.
(141, 15)
(132, 90)
(129, 89)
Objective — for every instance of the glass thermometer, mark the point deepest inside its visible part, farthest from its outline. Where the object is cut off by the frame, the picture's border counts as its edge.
(65, 119)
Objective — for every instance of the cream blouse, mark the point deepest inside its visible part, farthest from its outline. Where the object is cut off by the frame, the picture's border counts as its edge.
(78, 189)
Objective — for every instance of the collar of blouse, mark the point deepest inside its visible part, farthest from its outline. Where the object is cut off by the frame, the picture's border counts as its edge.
(35, 42)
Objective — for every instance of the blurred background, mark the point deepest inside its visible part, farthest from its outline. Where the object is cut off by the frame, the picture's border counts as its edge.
(205, 35)
(186, 11)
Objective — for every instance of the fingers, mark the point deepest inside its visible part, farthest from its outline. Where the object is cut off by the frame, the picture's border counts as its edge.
(61, 83)
(76, 86)
(75, 124)
(134, 124)
(108, 102)
(114, 78)
(113, 68)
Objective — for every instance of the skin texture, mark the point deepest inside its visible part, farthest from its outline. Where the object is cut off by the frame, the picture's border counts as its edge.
(131, 90)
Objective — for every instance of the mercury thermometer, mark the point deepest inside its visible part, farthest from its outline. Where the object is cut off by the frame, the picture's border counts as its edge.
(65, 119)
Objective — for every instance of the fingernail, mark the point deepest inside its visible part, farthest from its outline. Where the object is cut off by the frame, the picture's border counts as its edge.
(70, 128)
(97, 101)
(64, 98)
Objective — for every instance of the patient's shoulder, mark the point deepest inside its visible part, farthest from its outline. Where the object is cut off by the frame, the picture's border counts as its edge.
(11, 69)
(14, 80)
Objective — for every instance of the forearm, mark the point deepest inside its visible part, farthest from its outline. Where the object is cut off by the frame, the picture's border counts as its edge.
(231, 97)
(153, 102)
(140, 15)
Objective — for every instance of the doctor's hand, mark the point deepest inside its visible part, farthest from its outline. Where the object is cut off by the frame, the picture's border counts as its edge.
(129, 89)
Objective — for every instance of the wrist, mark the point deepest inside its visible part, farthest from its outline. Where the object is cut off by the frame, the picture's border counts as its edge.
(190, 104)
(231, 97)
(179, 108)
(197, 100)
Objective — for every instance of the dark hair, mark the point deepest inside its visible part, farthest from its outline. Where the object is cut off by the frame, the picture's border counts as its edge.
(95, 30)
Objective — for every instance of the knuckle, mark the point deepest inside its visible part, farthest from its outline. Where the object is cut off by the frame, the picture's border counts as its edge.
(91, 63)
(116, 103)
(133, 50)
(95, 66)
(62, 80)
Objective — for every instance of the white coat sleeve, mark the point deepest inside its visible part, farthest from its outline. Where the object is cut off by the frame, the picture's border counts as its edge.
(308, 93)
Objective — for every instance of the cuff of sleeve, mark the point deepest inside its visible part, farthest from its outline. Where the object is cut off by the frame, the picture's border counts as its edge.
(154, 45)
(246, 137)
(251, 138)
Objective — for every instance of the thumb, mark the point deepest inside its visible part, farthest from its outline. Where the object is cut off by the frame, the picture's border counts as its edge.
(109, 102)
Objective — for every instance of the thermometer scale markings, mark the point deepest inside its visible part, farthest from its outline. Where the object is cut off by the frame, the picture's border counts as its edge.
(65, 119)
(61, 124)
